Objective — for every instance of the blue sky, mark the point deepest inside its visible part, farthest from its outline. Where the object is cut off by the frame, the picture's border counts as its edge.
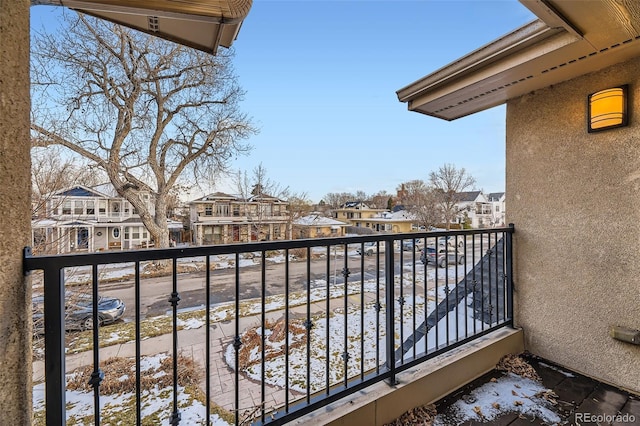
(321, 78)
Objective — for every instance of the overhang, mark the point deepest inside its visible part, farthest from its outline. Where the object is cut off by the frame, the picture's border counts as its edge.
(201, 24)
(570, 38)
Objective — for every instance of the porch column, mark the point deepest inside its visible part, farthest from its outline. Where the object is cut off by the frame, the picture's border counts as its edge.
(15, 222)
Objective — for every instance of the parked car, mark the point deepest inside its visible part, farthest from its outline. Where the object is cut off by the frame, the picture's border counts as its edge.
(79, 311)
(411, 245)
(371, 247)
(452, 241)
(444, 256)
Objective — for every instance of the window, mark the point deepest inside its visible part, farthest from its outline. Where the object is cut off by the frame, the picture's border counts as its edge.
(276, 210)
(135, 235)
(126, 207)
(265, 209)
(207, 235)
(91, 207)
(102, 207)
(208, 211)
(126, 233)
(236, 210)
(116, 232)
(276, 231)
(222, 209)
(66, 207)
(78, 208)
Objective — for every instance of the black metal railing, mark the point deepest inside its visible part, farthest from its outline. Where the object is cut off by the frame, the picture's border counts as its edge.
(305, 324)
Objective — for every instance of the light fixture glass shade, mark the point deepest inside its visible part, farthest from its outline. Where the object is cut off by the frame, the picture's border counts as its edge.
(607, 109)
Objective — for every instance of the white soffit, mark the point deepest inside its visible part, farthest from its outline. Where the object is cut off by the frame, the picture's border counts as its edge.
(202, 24)
(570, 38)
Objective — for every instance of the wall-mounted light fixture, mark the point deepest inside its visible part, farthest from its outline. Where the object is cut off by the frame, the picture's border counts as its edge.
(607, 109)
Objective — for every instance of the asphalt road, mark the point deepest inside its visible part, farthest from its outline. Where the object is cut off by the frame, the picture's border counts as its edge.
(155, 292)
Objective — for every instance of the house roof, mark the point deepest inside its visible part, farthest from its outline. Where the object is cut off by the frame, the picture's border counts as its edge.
(221, 196)
(216, 196)
(569, 39)
(495, 196)
(317, 220)
(397, 216)
(467, 196)
(82, 191)
(201, 24)
(354, 204)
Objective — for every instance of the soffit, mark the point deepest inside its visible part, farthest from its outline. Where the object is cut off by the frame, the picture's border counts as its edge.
(201, 24)
(570, 38)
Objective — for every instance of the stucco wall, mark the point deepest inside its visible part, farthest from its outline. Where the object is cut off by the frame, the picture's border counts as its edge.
(15, 184)
(574, 198)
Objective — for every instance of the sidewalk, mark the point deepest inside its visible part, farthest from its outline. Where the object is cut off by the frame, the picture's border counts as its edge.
(192, 343)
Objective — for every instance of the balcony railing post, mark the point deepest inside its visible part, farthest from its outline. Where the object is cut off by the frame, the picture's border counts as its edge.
(54, 346)
(509, 271)
(389, 308)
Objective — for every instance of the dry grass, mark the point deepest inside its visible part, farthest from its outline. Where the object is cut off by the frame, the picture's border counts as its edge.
(121, 376)
(423, 415)
(299, 253)
(515, 364)
(251, 340)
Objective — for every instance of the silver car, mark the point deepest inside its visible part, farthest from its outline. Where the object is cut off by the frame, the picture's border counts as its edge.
(444, 256)
(79, 311)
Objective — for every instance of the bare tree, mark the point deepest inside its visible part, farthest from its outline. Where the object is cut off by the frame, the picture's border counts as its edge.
(422, 201)
(335, 199)
(448, 181)
(51, 172)
(381, 200)
(264, 198)
(144, 110)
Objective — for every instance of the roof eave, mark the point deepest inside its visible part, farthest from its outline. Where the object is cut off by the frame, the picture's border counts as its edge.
(477, 81)
(566, 42)
(201, 24)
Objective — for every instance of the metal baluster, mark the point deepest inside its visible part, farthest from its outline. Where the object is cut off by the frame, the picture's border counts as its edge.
(207, 321)
(98, 375)
(138, 349)
(175, 298)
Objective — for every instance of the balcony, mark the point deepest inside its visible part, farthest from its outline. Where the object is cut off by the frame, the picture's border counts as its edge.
(321, 311)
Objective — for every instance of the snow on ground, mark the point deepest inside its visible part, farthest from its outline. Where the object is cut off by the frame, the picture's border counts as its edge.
(119, 409)
(507, 394)
(510, 393)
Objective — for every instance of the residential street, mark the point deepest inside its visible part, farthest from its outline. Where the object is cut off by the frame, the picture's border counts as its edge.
(155, 292)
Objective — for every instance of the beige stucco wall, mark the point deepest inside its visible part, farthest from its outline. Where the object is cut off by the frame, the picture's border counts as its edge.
(15, 184)
(574, 198)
